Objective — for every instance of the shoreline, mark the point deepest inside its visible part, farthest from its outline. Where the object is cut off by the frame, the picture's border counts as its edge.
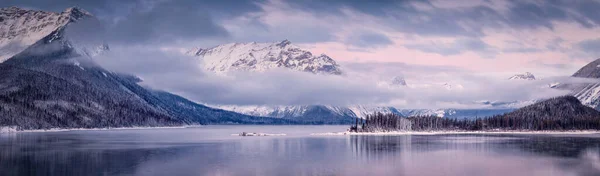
(400, 133)
(9, 131)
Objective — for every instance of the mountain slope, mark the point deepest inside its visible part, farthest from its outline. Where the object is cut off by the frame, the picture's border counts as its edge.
(50, 85)
(193, 112)
(587, 93)
(54, 83)
(564, 107)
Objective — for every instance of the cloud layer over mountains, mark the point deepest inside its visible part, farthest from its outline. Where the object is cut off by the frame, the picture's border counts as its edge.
(471, 46)
(181, 74)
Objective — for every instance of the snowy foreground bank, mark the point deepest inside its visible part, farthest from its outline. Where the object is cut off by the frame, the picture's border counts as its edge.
(394, 133)
(5, 129)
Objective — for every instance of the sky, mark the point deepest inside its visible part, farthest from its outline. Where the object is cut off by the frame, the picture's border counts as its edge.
(453, 40)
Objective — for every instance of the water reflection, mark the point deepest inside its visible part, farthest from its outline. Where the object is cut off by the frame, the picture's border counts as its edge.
(206, 152)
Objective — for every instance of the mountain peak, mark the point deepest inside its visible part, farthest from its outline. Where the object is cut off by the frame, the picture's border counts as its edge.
(398, 81)
(524, 76)
(284, 43)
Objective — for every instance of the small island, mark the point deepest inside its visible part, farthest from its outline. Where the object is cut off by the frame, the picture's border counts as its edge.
(565, 113)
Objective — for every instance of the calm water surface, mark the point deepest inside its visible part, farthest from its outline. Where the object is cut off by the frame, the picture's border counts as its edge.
(212, 150)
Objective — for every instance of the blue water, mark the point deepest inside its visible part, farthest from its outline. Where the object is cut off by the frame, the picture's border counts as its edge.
(212, 150)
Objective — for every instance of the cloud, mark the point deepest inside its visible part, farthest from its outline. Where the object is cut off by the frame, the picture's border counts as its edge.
(277, 20)
(591, 46)
(60, 5)
(418, 32)
(369, 40)
(166, 22)
(530, 14)
(519, 47)
(456, 47)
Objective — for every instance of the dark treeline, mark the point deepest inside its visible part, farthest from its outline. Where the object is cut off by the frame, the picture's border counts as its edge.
(381, 122)
(392, 122)
(561, 113)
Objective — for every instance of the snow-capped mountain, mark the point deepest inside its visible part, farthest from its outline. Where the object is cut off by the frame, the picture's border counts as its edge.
(524, 76)
(260, 57)
(20, 28)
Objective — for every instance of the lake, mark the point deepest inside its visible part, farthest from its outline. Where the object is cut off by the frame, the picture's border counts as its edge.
(213, 150)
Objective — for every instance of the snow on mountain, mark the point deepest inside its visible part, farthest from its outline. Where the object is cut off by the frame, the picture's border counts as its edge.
(260, 57)
(524, 76)
(20, 28)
